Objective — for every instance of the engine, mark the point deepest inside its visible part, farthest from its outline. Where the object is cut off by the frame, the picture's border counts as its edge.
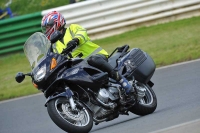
(106, 98)
(109, 94)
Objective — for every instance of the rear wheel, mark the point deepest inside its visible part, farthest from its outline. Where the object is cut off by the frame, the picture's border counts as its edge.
(147, 104)
(72, 121)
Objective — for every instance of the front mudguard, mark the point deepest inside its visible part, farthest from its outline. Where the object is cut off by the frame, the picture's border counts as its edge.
(68, 93)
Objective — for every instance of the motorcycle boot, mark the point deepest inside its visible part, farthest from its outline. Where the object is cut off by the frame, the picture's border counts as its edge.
(125, 85)
(127, 88)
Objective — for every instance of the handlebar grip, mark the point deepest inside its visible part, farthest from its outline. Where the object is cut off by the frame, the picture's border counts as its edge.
(65, 51)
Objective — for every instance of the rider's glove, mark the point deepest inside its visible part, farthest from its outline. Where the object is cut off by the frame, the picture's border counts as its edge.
(71, 45)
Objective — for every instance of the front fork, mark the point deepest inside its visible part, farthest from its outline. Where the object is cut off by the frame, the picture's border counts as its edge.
(68, 94)
(72, 103)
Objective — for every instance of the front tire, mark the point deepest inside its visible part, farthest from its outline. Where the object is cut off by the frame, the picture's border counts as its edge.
(147, 104)
(60, 112)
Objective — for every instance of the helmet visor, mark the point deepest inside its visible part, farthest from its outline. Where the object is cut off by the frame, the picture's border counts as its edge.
(45, 29)
(47, 26)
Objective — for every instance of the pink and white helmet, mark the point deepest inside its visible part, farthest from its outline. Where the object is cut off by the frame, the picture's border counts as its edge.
(51, 22)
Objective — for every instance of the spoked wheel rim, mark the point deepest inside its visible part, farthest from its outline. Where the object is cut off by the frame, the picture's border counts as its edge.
(75, 117)
(148, 98)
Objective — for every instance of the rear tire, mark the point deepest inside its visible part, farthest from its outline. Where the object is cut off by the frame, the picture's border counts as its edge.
(73, 122)
(147, 104)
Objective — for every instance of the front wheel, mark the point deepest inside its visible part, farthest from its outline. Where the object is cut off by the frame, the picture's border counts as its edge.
(72, 121)
(147, 104)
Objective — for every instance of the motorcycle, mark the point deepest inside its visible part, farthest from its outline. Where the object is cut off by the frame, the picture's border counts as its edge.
(78, 94)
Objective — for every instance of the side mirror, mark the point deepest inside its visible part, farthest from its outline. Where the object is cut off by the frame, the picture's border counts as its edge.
(55, 36)
(19, 77)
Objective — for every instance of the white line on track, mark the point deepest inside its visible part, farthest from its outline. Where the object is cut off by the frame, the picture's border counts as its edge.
(180, 128)
(14, 99)
(178, 64)
(173, 65)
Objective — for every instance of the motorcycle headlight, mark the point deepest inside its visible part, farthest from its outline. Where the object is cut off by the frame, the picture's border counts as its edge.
(40, 74)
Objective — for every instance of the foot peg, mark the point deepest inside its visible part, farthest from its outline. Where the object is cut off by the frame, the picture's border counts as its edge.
(127, 99)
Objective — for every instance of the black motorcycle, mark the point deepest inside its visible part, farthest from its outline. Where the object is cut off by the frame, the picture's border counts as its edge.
(79, 94)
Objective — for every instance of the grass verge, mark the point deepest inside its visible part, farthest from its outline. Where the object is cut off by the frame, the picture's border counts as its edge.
(22, 7)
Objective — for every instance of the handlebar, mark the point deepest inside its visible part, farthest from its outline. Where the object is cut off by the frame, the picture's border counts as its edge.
(67, 52)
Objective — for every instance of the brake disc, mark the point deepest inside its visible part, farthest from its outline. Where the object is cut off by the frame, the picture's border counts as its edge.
(74, 115)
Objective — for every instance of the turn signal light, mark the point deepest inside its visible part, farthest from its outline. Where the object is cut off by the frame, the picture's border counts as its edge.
(36, 86)
(53, 63)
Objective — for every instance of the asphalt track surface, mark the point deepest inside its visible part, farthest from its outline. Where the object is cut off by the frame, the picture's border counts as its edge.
(178, 92)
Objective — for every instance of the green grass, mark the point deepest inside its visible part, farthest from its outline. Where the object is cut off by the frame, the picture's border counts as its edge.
(166, 43)
(22, 7)
(9, 88)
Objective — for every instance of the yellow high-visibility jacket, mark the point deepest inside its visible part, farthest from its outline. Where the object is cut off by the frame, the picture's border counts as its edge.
(85, 47)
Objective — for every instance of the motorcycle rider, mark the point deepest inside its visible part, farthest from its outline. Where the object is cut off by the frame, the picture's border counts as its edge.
(75, 39)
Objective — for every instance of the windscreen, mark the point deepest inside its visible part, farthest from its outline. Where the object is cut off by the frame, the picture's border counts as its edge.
(36, 48)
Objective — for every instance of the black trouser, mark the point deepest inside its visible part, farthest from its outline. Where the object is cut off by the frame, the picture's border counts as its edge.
(101, 62)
